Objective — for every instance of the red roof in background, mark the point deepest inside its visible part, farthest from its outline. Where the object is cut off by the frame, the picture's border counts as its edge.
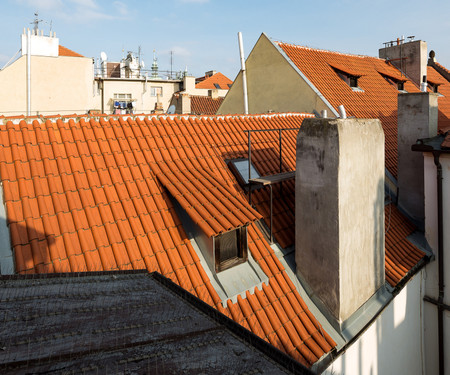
(377, 100)
(218, 78)
(205, 105)
(444, 101)
(63, 51)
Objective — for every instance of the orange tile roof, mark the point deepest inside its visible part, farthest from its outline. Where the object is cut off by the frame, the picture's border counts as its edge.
(63, 51)
(205, 105)
(218, 78)
(401, 256)
(444, 101)
(90, 196)
(377, 100)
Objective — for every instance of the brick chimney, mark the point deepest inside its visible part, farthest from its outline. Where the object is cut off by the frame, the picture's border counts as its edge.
(417, 118)
(339, 213)
(409, 57)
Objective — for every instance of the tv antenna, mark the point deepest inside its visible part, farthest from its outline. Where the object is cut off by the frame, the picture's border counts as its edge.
(36, 22)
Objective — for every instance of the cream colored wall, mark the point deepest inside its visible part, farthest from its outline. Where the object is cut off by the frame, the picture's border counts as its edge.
(59, 85)
(205, 92)
(139, 90)
(392, 344)
(273, 85)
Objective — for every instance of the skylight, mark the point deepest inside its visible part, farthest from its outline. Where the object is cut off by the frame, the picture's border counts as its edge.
(217, 86)
(239, 167)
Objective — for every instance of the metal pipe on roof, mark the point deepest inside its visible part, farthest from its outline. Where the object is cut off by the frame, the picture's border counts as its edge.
(440, 264)
(28, 73)
(342, 113)
(244, 73)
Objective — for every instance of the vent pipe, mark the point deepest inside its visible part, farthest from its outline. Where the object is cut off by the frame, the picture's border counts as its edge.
(342, 113)
(28, 73)
(244, 73)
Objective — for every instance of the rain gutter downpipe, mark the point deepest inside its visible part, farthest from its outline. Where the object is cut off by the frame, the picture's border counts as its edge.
(440, 265)
(244, 73)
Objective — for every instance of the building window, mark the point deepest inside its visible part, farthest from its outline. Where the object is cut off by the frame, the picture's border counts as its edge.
(239, 168)
(123, 104)
(349, 79)
(217, 86)
(122, 96)
(156, 90)
(433, 87)
(398, 84)
(230, 248)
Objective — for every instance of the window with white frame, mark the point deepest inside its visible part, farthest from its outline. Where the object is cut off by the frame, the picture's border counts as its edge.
(156, 90)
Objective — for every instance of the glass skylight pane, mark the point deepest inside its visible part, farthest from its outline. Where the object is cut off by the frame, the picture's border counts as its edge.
(242, 167)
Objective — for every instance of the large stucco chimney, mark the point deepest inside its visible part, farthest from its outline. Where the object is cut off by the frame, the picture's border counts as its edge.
(417, 118)
(410, 57)
(339, 212)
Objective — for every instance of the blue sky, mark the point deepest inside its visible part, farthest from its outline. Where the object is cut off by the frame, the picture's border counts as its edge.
(203, 33)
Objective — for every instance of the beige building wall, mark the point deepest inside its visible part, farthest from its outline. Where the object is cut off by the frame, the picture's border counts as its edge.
(273, 85)
(143, 93)
(59, 85)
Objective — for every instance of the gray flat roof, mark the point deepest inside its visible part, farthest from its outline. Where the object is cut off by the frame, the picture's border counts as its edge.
(123, 322)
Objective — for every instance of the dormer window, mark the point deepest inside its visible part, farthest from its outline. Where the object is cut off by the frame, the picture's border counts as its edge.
(433, 87)
(230, 248)
(350, 78)
(399, 84)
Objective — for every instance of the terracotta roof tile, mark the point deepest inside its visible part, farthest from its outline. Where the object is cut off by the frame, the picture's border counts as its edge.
(205, 105)
(90, 196)
(211, 82)
(63, 51)
(377, 100)
(93, 195)
(443, 101)
(446, 142)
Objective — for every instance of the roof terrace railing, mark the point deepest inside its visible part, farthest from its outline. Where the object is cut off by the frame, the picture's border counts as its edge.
(268, 180)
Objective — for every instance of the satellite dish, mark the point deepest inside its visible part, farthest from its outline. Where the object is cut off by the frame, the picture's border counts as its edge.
(103, 56)
(171, 110)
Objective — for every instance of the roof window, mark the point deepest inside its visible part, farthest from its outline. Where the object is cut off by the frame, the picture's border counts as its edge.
(217, 86)
(399, 84)
(230, 248)
(434, 87)
(349, 79)
(240, 169)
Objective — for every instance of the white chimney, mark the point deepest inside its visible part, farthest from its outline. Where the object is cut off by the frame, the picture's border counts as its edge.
(339, 212)
(40, 45)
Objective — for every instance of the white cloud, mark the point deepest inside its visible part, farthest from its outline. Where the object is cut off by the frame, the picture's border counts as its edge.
(121, 8)
(85, 3)
(42, 4)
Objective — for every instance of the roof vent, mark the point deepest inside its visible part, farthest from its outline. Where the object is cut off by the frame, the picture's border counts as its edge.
(342, 113)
